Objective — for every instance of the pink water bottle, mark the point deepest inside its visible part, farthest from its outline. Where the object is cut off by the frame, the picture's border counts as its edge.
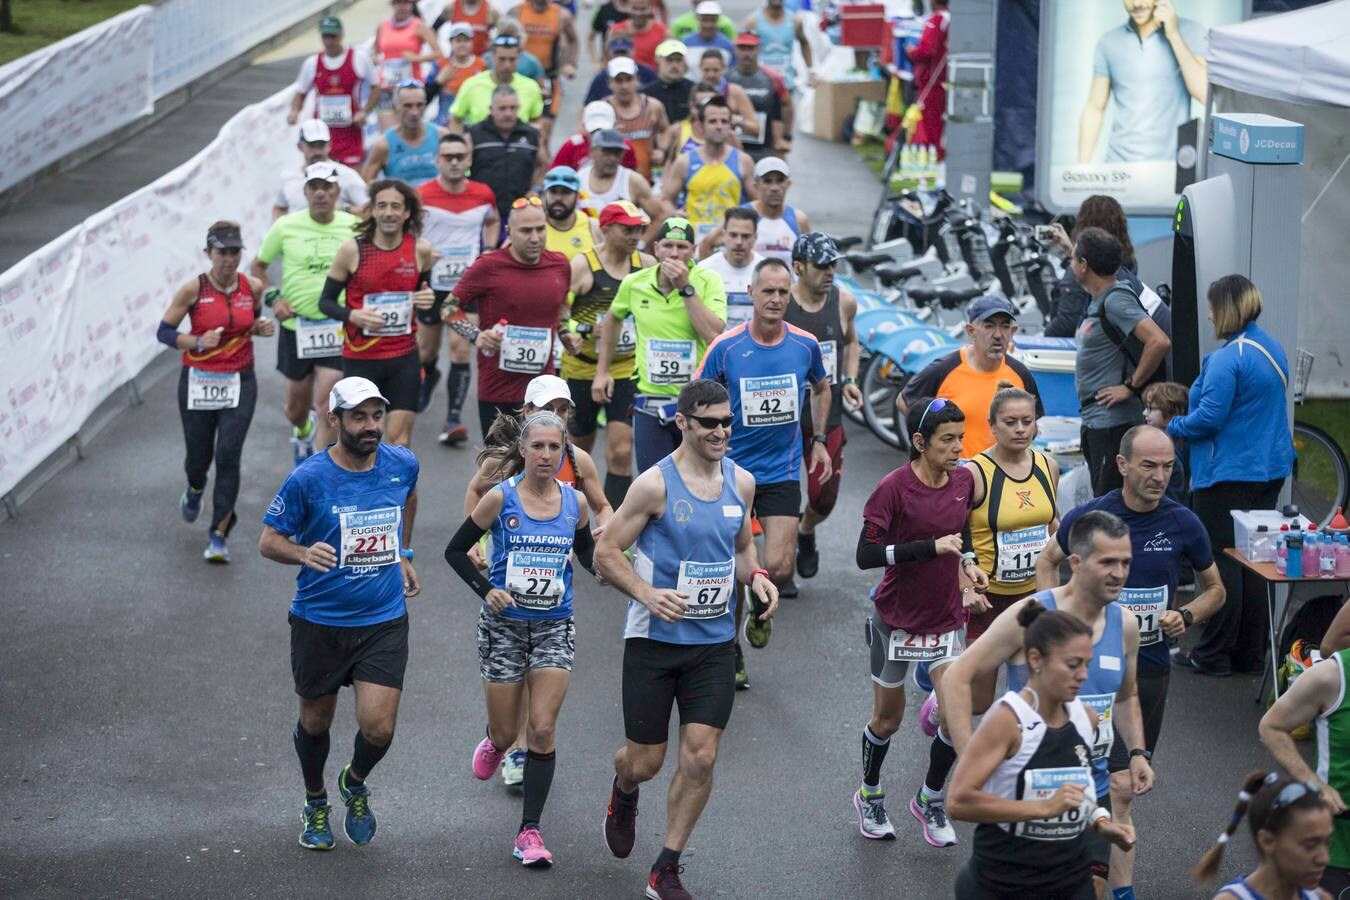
(1312, 552)
(1342, 556)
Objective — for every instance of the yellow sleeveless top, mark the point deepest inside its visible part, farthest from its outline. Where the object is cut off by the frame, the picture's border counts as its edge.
(1011, 526)
(711, 188)
(574, 241)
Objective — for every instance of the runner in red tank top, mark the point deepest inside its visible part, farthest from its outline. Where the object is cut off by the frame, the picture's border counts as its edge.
(479, 14)
(385, 271)
(336, 76)
(216, 388)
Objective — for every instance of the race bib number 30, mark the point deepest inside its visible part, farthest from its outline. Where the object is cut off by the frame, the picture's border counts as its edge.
(1148, 605)
(1018, 551)
(907, 647)
(212, 390)
(526, 351)
(535, 580)
(709, 587)
(317, 338)
(670, 362)
(370, 537)
(395, 308)
(1041, 784)
(770, 400)
(1102, 705)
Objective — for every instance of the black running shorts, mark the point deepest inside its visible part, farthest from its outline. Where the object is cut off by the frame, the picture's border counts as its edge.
(325, 658)
(781, 498)
(295, 368)
(699, 678)
(586, 412)
(1152, 702)
(399, 378)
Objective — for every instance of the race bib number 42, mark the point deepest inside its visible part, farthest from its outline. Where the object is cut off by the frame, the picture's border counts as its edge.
(709, 587)
(212, 390)
(526, 351)
(670, 362)
(1041, 784)
(1018, 551)
(395, 308)
(770, 400)
(370, 537)
(535, 580)
(907, 647)
(1148, 605)
(317, 338)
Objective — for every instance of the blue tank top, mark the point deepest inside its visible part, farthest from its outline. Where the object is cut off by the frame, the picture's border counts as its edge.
(532, 558)
(1240, 888)
(408, 163)
(691, 547)
(1105, 675)
(775, 45)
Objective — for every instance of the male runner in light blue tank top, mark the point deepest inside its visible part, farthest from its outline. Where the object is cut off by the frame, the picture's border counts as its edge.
(689, 519)
(407, 152)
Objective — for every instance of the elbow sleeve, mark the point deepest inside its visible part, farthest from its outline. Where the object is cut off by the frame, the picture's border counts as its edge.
(168, 335)
(328, 300)
(583, 545)
(457, 555)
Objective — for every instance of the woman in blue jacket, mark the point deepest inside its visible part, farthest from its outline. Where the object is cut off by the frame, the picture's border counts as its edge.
(1241, 450)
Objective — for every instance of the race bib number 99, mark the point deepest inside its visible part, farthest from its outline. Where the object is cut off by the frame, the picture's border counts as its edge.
(1041, 784)
(709, 587)
(770, 400)
(535, 580)
(370, 537)
(212, 390)
(395, 308)
(670, 362)
(1148, 605)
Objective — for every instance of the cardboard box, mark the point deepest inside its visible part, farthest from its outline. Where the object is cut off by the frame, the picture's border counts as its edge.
(835, 101)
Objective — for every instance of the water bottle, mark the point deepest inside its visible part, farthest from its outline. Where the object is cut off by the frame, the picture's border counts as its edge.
(1282, 550)
(500, 330)
(1312, 552)
(1294, 566)
(1342, 556)
(1327, 561)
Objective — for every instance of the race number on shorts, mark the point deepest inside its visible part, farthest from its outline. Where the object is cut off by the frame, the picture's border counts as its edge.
(395, 308)
(905, 646)
(709, 587)
(212, 390)
(370, 537)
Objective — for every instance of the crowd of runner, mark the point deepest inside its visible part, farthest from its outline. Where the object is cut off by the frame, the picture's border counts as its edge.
(652, 280)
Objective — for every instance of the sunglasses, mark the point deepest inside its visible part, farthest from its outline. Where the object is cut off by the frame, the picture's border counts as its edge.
(410, 83)
(713, 422)
(527, 201)
(506, 40)
(935, 405)
(454, 157)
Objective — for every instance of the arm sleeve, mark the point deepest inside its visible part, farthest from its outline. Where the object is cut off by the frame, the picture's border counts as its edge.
(328, 300)
(457, 555)
(583, 545)
(872, 554)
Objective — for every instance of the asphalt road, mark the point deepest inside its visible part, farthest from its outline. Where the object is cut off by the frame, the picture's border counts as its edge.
(147, 704)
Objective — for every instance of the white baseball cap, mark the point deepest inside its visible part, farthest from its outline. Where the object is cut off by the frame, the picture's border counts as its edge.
(544, 389)
(350, 393)
(460, 29)
(323, 170)
(708, 8)
(622, 65)
(597, 114)
(312, 131)
(772, 164)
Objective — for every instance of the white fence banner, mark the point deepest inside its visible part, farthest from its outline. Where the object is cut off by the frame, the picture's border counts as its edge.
(192, 37)
(78, 317)
(60, 98)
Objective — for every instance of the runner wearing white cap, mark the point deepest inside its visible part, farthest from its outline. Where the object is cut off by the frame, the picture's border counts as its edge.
(315, 146)
(637, 117)
(708, 35)
(576, 150)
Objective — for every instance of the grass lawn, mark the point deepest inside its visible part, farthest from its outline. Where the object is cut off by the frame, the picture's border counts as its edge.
(43, 22)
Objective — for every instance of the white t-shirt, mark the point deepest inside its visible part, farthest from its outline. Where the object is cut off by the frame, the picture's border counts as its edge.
(736, 281)
(365, 69)
(291, 195)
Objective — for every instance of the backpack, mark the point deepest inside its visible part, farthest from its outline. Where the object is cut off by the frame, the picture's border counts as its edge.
(1129, 346)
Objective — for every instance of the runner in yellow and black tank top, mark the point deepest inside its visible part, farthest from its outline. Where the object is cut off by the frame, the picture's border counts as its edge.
(1012, 523)
(587, 311)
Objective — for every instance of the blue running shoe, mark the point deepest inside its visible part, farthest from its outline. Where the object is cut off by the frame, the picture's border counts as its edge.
(216, 551)
(921, 679)
(317, 835)
(360, 821)
(302, 440)
(190, 504)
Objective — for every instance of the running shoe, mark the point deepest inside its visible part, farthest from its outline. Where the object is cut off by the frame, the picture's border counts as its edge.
(872, 819)
(932, 815)
(530, 849)
(302, 440)
(789, 591)
(360, 821)
(921, 679)
(513, 767)
(216, 551)
(317, 835)
(430, 378)
(928, 715)
(742, 679)
(621, 823)
(756, 633)
(452, 433)
(486, 759)
(664, 883)
(808, 558)
(190, 504)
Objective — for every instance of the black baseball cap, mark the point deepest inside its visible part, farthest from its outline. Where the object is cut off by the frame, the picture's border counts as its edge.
(224, 237)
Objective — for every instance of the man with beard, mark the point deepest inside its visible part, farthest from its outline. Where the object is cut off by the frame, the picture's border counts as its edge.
(345, 517)
(570, 232)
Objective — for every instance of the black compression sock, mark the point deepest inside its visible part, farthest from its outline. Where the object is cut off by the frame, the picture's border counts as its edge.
(874, 753)
(538, 779)
(457, 388)
(313, 752)
(365, 756)
(616, 488)
(667, 855)
(941, 758)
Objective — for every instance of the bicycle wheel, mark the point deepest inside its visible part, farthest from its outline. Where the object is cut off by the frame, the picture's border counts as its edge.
(1321, 474)
(881, 384)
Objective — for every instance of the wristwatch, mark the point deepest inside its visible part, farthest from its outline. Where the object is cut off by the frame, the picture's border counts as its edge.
(1187, 617)
(820, 439)
(687, 291)
(850, 379)
(406, 553)
(1140, 751)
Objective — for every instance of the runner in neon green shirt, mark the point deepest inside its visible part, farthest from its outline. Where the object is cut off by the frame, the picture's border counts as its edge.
(473, 103)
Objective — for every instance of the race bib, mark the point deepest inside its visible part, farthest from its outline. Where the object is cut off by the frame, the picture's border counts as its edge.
(212, 390)
(1041, 784)
(1018, 551)
(829, 351)
(317, 338)
(395, 308)
(769, 400)
(739, 313)
(535, 580)
(370, 538)
(670, 362)
(526, 350)
(708, 586)
(447, 270)
(702, 230)
(1148, 605)
(627, 345)
(392, 71)
(1102, 705)
(335, 110)
(907, 647)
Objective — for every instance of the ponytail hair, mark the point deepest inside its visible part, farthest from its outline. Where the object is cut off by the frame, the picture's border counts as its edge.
(1007, 392)
(1046, 629)
(1260, 791)
(505, 437)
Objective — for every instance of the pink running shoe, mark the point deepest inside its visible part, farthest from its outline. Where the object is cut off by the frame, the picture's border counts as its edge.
(486, 759)
(928, 715)
(530, 849)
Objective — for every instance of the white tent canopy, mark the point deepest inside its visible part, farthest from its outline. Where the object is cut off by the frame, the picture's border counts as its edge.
(1296, 66)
